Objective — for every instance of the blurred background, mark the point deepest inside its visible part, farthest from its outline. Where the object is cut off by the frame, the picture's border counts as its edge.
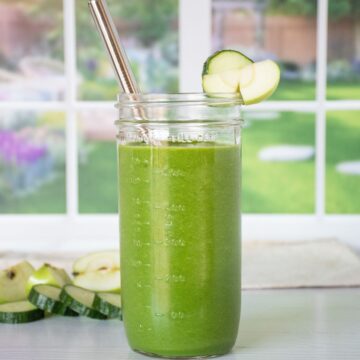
(39, 96)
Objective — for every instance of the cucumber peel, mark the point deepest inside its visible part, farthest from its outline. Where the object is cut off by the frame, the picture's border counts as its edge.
(225, 59)
(108, 304)
(47, 298)
(19, 312)
(80, 300)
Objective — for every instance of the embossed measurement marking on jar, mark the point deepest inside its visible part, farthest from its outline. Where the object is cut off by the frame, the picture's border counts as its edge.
(171, 242)
(169, 207)
(172, 278)
(173, 315)
(170, 172)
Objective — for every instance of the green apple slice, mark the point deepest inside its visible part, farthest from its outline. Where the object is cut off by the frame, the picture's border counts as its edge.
(99, 271)
(254, 82)
(13, 282)
(258, 81)
(49, 275)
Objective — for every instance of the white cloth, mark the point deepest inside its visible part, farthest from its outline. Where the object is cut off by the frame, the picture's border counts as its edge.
(325, 263)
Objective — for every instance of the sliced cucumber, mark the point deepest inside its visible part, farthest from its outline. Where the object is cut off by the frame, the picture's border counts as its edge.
(108, 304)
(50, 275)
(80, 300)
(47, 298)
(225, 60)
(19, 312)
(254, 83)
(99, 271)
(13, 281)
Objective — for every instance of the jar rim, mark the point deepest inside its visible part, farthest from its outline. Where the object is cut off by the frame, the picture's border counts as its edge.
(148, 99)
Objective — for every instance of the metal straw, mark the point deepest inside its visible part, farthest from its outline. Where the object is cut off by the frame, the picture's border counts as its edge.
(110, 36)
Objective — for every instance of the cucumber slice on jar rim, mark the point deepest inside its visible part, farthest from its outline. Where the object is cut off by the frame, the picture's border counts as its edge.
(19, 312)
(80, 300)
(252, 81)
(47, 298)
(225, 59)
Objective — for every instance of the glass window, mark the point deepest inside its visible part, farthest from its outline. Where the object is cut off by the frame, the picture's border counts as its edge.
(97, 162)
(31, 50)
(281, 30)
(343, 72)
(343, 162)
(149, 32)
(32, 162)
(278, 162)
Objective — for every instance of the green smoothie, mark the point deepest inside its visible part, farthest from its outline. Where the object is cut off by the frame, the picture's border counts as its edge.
(180, 247)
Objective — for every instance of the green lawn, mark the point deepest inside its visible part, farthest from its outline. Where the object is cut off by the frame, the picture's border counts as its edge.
(267, 187)
(287, 90)
(278, 187)
(343, 144)
(50, 198)
(98, 179)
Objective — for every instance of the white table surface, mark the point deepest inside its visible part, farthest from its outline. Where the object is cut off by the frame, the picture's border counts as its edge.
(275, 324)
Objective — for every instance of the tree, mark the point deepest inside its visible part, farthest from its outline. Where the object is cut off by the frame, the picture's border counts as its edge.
(337, 8)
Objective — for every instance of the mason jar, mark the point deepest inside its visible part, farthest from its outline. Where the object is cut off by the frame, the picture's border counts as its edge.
(179, 179)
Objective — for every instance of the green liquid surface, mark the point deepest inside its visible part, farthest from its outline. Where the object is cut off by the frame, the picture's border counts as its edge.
(180, 247)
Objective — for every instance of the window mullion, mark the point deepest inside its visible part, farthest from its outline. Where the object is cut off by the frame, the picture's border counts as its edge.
(71, 126)
(194, 41)
(320, 129)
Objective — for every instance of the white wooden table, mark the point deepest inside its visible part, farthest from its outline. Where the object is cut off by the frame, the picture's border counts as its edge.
(276, 324)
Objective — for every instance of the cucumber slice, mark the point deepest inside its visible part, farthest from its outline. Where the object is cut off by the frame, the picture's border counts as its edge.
(13, 281)
(254, 83)
(108, 304)
(47, 298)
(19, 312)
(99, 271)
(50, 275)
(80, 300)
(225, 60)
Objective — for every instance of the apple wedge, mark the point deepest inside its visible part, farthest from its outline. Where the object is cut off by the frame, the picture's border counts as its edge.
(13, 282)
(99, 271)
(254, 82)
(49, 275)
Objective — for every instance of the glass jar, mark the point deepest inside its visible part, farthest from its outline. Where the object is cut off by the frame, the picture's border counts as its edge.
(179, 167)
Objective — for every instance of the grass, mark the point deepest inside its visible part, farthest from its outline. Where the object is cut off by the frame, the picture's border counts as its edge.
(267, 187)
(343, 144)
(102, 90)
(50, 198)
(278, 187)
(305, 90)
(98, 180)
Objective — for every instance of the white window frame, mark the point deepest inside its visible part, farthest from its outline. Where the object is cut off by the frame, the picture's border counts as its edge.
(73, 231)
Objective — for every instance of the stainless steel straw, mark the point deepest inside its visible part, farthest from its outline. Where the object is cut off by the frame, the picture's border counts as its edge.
(118, 58)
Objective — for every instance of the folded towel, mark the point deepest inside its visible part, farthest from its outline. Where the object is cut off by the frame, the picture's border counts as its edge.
(320, 263)
(265, 264)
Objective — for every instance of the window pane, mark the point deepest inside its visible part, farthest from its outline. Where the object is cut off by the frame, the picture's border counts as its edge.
(281, 30)
(343, 50)
(278, 163)
(32, 162)
(343, 162)
(97, 162)
(149, 33)
(31, 50)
